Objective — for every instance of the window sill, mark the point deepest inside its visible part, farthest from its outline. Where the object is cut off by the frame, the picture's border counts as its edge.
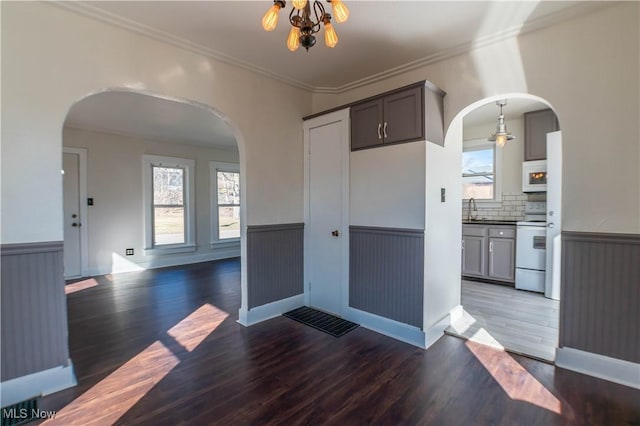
(231, 243)
(175, 249)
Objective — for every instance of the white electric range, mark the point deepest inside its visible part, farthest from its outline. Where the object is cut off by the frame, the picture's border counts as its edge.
(531, 241)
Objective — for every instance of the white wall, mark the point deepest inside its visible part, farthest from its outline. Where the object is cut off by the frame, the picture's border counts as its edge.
(52, 57)
(443, 233)
(114, 181)
(512, 153)
(387, 186)
(590, 77)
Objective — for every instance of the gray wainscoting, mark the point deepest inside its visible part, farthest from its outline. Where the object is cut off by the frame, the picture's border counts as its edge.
(34, 309)
(600, 294)
(386, 272)
(275, 262)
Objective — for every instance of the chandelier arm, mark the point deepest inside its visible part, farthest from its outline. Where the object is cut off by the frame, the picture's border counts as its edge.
(294, 20)
(319, 11)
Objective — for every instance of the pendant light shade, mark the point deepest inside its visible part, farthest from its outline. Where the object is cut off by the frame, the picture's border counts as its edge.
(501, 136)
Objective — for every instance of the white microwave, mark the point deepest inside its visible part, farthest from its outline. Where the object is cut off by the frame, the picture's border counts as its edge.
(534, 176)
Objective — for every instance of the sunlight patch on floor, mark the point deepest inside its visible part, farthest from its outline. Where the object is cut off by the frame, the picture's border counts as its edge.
(463, 323)
(484, 337)
(192, 330)
(513, 378)
(117, 393)
(113, 396)
(80, 285)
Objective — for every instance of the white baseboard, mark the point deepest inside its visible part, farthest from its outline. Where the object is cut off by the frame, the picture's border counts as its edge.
(163, 261)
(436, 331)
(270, 310)
(603, 367)
(37, 384)
(397, 330)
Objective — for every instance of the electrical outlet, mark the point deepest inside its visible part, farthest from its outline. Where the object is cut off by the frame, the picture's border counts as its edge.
(129, 252)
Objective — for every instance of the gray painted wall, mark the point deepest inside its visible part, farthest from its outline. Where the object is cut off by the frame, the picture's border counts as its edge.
(600, 300)
(275, 262)
(34, 309)
(386, 272)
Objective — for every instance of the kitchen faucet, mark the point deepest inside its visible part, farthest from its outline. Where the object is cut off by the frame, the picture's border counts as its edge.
(472, 201)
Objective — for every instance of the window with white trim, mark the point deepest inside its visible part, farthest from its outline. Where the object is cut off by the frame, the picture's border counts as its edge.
(481, 171)
(168, 204)
(225, 202)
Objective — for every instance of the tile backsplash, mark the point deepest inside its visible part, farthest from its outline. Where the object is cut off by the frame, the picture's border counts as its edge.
(512, 208)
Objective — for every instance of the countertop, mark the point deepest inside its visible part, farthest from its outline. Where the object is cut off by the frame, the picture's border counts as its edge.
(489, 222)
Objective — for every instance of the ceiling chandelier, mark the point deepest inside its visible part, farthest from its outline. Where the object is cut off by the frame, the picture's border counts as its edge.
(303, 24)
(501, 136)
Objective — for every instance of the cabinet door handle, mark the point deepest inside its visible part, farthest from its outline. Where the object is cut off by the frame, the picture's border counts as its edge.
(385, 130)
(491, 247)
(379, 130)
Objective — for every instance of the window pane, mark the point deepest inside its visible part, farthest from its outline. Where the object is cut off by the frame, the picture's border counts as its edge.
(168, 225)
(478, 187)
(228, 222)
(168, 185)
(228, 188)
(480, 161)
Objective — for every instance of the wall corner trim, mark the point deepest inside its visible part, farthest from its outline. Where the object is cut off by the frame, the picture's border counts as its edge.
(603, 367)
(37, 384)
(270, 310)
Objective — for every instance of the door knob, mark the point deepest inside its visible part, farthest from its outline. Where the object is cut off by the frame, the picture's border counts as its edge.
(335, 233)
(74, 216)
(76, 224)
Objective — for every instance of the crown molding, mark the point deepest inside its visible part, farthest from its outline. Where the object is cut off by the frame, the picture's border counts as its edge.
(580, 8)
(89, 11)
(85, 9)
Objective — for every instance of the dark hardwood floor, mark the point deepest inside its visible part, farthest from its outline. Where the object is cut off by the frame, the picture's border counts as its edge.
(163, 347)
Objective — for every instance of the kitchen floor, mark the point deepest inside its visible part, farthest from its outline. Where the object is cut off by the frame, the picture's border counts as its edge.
(503, 317)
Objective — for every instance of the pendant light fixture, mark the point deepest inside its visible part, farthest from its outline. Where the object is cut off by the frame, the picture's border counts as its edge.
(501, 136)
(304, 25)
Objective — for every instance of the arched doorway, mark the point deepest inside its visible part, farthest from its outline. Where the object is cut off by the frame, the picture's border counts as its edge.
(149, 124)
(509, 253)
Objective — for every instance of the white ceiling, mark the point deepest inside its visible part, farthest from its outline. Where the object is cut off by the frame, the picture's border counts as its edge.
(379, 39)
(148, 117)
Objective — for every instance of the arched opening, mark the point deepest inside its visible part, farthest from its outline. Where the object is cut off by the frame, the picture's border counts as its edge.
(511, 214)
(192, 227)
(154, 219)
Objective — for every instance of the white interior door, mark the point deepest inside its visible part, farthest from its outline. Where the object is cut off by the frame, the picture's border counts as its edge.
(554, 215)
(72, 219)
(326, 224)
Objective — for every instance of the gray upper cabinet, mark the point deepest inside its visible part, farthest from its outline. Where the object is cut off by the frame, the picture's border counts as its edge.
(411, 113)
(366, 124)
(394, 117)
(536, 126)
(403, 116)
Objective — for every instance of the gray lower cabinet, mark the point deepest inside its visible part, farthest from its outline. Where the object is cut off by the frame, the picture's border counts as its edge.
(473, 255)
(502, 259)
(489, 251)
